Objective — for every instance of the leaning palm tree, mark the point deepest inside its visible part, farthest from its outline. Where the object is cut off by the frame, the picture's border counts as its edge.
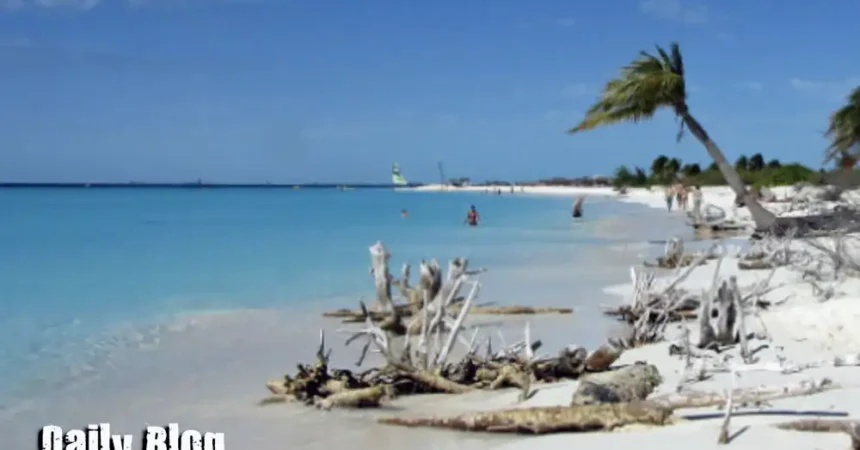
(844, 133)
(657, 81)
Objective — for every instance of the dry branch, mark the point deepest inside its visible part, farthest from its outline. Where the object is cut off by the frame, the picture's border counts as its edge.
(416, 339)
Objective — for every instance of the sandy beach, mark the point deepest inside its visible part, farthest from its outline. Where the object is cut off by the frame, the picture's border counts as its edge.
(170, 387)
(803, 329)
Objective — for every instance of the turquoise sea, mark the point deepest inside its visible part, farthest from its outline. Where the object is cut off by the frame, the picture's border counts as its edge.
(91, 276)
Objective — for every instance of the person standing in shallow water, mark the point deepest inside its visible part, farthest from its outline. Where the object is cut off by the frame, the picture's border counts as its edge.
(472, 217)
(577, 207)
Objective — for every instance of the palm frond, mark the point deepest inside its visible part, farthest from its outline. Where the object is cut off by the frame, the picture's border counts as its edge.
(646, 84)
(843, 130)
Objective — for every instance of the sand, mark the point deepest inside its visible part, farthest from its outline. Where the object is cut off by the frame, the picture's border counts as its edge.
(806, 329)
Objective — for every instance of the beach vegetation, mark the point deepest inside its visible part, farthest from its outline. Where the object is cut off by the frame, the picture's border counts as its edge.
(753, 171)
(655, 81)
(844, 133)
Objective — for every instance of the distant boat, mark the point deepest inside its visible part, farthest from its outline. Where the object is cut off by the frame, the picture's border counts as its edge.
(396, 177)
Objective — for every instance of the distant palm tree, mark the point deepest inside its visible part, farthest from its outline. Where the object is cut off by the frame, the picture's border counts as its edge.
(649, 83)
(756, 162)
(844, 133)
(673, 167)
(742, 163)
(658, 166)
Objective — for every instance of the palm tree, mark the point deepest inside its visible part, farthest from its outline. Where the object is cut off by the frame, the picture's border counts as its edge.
(673, 167)
(742, 163)
(844, 133)
(658, 166)
(652, 82)
(756, 163)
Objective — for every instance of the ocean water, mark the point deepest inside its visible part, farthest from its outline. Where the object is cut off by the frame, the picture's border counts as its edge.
(92, 278)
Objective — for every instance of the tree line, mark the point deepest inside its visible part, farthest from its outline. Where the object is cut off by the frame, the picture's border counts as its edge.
(753, 170)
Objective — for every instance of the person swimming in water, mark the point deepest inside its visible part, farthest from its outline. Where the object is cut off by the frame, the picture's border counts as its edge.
(472, 217)
(404, 213)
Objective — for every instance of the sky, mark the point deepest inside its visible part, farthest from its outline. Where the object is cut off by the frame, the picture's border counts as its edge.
(322, 90)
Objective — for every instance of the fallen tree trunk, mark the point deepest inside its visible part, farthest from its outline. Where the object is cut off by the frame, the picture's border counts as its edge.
(603, 416)
(546, 419)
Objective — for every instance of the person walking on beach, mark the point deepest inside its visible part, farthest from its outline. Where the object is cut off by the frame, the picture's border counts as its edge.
(670, 196)
(472, 217)
(685, 195)
(697, 202)
(678, 189)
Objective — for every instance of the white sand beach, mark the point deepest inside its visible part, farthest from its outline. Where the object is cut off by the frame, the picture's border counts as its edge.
(803, 328)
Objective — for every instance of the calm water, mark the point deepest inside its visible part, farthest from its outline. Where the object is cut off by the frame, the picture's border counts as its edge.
(89, 273)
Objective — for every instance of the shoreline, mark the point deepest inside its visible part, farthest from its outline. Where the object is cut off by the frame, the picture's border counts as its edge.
(805, 328)
(167, 381)
(802, 329)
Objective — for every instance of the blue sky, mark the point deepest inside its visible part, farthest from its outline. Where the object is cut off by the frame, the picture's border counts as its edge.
(301, 90)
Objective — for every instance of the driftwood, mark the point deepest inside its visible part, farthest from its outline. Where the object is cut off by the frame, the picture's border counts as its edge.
(603, 416)
(653, 307)
(547, 419)
(627, 384)
(416, 339)
(674, 256)
(849, 427)
(431, 285)
(359, 315)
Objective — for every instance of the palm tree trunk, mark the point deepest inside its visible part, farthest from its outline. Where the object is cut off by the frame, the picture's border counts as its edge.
(763, 218)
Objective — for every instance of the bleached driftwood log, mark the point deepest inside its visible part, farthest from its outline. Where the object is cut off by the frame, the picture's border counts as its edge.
(381, 277)
(603, 416)
(849, 427)
(417, 355)
(435, 292)
(674, 256)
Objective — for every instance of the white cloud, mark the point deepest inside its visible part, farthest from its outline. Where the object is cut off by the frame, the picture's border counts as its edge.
(684, 11)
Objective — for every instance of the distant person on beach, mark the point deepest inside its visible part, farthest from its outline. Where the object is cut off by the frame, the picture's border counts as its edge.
(678, 189)
(685, 194)
(670, 196)
(472, 217)
(697, 201)
(577, 207)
